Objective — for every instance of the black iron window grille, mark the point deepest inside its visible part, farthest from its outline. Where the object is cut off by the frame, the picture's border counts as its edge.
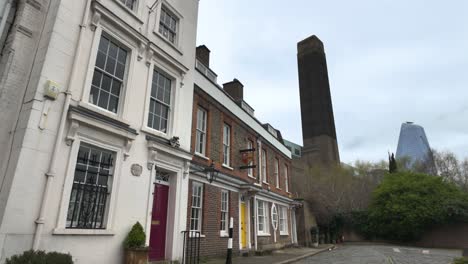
(91, 188)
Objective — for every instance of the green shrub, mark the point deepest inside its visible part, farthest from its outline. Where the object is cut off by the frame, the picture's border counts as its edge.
(461, 261)
(136, 237)
(408, 204)
(40, 257)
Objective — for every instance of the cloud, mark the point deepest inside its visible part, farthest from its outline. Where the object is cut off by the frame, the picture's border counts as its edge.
(389, 62)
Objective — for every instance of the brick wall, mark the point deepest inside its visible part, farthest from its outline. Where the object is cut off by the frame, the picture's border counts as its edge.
(213, 244)
(240, 135)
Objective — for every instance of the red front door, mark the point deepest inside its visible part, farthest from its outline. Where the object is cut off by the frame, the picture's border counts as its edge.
(158, 223)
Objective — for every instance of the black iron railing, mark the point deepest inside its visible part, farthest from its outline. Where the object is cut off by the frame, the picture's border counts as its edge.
(191, 249)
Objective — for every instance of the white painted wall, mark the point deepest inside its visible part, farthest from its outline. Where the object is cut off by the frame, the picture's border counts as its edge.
(130, 194)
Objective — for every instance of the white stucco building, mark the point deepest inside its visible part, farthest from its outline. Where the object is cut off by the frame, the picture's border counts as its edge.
(95, 107)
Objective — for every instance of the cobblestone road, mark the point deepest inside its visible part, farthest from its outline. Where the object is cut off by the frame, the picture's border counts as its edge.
(380, 254)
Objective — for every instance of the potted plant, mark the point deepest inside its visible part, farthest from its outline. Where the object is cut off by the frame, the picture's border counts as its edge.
(135, 250)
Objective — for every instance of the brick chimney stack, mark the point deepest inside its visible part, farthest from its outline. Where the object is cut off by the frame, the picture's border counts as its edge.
(318, 123)
(203, 55)
(235, 89)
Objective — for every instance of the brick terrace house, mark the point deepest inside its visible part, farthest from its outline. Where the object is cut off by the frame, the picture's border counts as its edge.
(259, 198)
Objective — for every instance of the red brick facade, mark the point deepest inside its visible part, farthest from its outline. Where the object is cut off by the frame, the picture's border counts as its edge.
(213, 244)
(240, 135)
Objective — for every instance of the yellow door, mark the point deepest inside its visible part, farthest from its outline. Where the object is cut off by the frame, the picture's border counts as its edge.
(243, 227)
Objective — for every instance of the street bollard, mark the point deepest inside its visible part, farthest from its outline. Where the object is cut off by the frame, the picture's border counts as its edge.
(229, 250)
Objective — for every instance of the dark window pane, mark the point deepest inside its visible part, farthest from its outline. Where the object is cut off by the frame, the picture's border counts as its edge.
(80, 173)
(91, 176)
(122, 56)
(152, 106)
(103, 100)
(161, 81)
(164, 112)
(113, 49)
(106, 83)
(103, 44)
(103, 178)
(157, 110)
(100, 59)
(156, 122)
(160, 93)
(163, 125)
(150, 120)
(116, 87)
(120, 71)
(167, 96)
(94, 95)
(113, 103)
(110, 65)
(97, 78)
(154, 88)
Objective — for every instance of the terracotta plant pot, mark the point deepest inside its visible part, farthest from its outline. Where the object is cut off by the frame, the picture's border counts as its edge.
(136, 256)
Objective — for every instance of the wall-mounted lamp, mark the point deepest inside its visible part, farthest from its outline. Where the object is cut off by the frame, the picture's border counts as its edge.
(210, 171)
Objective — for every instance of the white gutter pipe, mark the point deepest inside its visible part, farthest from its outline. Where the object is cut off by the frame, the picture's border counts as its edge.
(53, 161)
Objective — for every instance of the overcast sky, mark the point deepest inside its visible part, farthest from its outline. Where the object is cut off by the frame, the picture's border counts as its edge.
(389, 61)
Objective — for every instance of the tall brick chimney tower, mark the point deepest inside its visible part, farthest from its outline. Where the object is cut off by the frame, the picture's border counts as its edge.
(318, 123)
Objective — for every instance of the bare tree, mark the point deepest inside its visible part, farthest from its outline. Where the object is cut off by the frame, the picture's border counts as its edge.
(340, 190)
(451, 168)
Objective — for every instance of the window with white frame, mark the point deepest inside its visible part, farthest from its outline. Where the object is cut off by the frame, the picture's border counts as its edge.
(168, 25)
(91, 188)
(197, 206)
(277, 173)
(264, 166)
(283, 220)
(274, 217)
(160, 102)
(129, 3)
(108, 76)
(286, 178)
(262, 218)
(201, 131)
(226, 145)
(250, 170)
(224, 225)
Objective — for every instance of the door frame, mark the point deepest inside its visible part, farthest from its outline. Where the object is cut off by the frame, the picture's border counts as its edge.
(163, 183)
(247, 221)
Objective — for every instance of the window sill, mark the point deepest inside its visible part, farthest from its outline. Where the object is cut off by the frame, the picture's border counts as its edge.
(223, 234)
(266, 183)
(263, 235)
(257, 184)
(194, 236)
(284, 233)
(227, 167)
(83, 232)
(278, 188)
(174, 46)
(154, 132)
(199, 155)
(129, 11)
(252, 177)
(102, 111)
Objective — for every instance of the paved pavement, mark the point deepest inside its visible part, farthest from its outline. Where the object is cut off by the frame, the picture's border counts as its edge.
(277, 257)
(382, 254)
